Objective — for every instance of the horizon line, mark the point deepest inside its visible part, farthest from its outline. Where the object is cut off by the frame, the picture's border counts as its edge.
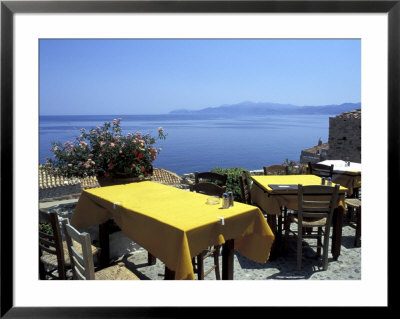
(183, 109)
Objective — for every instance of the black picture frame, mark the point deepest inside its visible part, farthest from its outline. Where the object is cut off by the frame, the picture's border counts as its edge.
(9, 8)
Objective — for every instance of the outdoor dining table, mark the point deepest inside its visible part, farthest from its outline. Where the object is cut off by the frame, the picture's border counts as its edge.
(347, 174)
(271, 192)
(175, 225)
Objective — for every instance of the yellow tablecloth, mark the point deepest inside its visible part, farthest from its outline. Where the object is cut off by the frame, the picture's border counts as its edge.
(348, 176)
(271, 200)
(175, 225)
(350, 180)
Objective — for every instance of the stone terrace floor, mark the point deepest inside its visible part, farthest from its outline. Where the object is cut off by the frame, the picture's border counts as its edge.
(347, 267)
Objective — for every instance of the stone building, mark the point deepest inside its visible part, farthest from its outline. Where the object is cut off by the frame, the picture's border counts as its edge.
(315, 154)
(345, 137)
(344, 142)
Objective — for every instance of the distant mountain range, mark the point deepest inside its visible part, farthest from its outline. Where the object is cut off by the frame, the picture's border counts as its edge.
(265, 108)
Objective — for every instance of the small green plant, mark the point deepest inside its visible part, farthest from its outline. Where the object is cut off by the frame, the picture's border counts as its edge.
(232, 182)
(45, 228)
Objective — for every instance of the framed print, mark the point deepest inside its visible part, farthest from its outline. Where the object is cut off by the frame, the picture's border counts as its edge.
(24, 24)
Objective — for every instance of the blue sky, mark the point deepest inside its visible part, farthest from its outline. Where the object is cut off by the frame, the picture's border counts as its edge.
(133, 76)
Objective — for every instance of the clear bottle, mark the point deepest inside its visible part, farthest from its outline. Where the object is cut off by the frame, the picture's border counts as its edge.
(230, 196)
(225, 200)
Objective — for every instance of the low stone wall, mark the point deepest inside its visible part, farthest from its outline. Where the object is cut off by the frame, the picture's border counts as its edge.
(60, 193)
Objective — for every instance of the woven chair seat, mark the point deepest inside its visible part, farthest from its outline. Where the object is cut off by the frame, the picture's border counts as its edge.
(116, 272)
(353, 202)
(309, 222)
(51, 260)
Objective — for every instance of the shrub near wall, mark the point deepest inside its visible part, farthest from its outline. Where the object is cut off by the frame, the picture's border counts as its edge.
(232, 183)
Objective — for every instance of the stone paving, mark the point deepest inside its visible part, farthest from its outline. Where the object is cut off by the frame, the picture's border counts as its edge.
(347, 267)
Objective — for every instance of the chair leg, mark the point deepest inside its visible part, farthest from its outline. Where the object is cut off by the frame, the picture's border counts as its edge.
(357, 240)
(200, 267)
(194, 265)
(61, 271)
(42, 271)
(287, 230)
(299, 246)
(216, 263)
(325, 249)
(281, 221)
(279, 227)
(319, 241)
(169, 274)
(348, 214)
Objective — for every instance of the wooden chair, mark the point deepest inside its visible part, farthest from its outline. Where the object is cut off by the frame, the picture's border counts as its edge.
(53, 250)
(82, 259)
(354, 204)
(320, 170)
(246, 191)
(313, 212)
(212, 184)
(276, 170)
(209, 183)
(245, 188)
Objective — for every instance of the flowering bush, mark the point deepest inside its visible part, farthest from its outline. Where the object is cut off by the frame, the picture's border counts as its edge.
(294, 168)
(104, 151)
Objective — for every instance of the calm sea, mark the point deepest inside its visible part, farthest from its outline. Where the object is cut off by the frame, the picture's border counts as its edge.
(202, 143)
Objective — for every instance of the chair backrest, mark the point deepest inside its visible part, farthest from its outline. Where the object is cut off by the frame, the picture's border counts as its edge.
(320, 169)
(50, 239)
(82, 264)
(219, 179)
(276, 170)
(245, 188)
(317, 201)
(209, 183)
